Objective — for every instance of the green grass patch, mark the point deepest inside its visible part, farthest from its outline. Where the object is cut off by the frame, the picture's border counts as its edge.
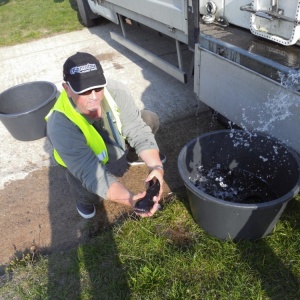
(167, 257)
(26, 20)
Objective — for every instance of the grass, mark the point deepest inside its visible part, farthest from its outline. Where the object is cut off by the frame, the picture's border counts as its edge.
(26, 20)
(166, 257)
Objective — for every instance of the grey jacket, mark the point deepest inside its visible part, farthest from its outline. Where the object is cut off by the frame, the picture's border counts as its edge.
(71, 145)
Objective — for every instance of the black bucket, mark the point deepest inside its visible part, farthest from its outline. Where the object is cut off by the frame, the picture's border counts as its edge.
(23, 109)
(255, 153)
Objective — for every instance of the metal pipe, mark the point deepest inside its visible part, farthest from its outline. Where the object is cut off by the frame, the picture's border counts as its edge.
(179, 57)
(122, 25)
(274, 4)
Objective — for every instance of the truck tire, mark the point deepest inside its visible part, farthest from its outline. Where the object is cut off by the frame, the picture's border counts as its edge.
(87, 17)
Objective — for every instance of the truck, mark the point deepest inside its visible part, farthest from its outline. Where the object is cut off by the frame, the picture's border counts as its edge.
(246, 56)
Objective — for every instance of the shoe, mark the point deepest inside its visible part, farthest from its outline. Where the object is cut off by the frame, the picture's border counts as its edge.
(139, 161)
(87, 211)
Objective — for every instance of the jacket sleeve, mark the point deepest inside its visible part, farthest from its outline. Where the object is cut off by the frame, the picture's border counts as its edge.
(71, 145)
(134, 129)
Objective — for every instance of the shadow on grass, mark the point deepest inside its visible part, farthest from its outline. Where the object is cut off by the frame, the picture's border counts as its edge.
(270, 259)
(3, 2)
(276, 278)
(275, 270)
(90, 270)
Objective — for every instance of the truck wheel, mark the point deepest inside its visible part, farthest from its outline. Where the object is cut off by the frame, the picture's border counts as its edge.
(88, 18)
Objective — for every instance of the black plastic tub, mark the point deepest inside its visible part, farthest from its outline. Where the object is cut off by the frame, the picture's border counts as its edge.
(23, 109)
(256, 153)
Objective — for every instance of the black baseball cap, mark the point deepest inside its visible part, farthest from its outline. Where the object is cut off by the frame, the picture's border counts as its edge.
(83, 72)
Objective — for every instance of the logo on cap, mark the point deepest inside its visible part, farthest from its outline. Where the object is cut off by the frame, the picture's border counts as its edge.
(83, 69)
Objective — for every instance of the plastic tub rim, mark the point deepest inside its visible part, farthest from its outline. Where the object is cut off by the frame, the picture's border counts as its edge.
(15, 115)
(285, 198)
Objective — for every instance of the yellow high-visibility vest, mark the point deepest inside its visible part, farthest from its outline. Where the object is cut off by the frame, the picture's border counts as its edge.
(93, 138)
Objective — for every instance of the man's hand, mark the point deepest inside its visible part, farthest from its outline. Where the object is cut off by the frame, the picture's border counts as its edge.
(152, 211)
(152, 160)
(118, 193)
(145, 204)
(156, 174)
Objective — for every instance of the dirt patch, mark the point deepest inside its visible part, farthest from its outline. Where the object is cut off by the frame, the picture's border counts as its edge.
(40, 211)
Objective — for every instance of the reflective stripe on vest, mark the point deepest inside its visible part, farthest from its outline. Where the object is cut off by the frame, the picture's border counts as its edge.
(93, 138)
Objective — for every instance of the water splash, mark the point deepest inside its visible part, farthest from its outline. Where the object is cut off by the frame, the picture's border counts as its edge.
(278, 106)
(238, 185)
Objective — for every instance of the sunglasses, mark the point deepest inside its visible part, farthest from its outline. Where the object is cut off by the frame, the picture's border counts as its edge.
(86, 93)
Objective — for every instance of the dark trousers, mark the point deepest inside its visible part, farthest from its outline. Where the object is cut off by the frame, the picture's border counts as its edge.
(81, 194)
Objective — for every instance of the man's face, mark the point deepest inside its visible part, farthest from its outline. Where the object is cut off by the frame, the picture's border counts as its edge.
(89, 102)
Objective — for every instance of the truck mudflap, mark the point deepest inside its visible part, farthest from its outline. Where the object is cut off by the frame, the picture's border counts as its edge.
(252, 82)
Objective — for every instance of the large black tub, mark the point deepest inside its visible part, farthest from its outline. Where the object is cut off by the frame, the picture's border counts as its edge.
(23, 109)
(269, 163)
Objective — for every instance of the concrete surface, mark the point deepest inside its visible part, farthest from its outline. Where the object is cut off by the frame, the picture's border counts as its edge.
(43, 60)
